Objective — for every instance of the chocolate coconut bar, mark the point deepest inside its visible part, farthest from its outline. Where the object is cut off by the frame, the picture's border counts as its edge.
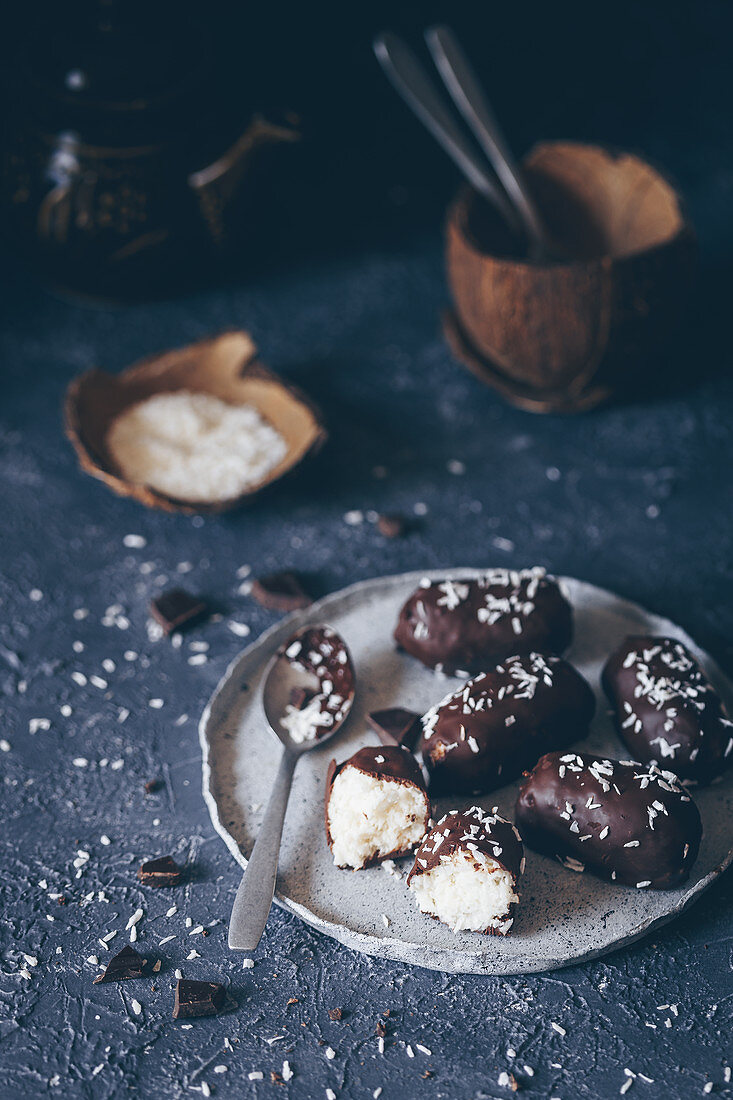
(630, 823)
(666, 710)
(377, 806)
(467, 625)
(467, 871)
(493, 727)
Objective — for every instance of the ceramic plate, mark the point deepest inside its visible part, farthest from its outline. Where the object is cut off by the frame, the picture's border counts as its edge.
(563, 917)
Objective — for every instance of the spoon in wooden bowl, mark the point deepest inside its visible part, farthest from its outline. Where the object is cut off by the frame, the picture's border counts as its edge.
(508, 192)
(307, 696)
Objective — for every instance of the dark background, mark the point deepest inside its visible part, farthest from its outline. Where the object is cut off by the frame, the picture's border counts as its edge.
(635, 497)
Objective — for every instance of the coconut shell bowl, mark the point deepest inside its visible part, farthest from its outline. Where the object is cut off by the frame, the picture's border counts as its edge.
(567, 334)
(225, 367)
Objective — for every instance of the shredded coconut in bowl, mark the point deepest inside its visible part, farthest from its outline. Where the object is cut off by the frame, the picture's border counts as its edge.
(194, 446)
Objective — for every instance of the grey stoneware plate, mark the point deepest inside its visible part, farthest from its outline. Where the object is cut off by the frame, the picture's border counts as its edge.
(563, 917)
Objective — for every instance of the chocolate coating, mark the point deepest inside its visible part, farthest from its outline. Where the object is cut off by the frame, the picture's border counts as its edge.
(666, 710)
(322, 653)
(626, 822)
(472, 831)
(387, 762)
(488, 731)
(466, 626)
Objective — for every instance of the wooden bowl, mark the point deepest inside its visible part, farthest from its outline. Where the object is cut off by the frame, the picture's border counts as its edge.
(225, 367)
(564, 336)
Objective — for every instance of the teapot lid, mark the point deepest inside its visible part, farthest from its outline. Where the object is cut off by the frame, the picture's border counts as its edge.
(117, 71)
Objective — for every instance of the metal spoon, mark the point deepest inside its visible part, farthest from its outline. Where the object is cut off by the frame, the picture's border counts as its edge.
(409, 76)
(411, 80)
(315, 665)
(469, 97)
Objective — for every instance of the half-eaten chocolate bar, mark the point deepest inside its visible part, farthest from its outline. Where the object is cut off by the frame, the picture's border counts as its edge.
(467, 872)
(377, 806)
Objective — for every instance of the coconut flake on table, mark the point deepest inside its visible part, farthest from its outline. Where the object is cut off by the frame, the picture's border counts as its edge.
(193, 446)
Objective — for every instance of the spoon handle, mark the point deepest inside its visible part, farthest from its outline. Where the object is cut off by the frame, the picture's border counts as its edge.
(469, 97)
(256, 890)
(411, 80)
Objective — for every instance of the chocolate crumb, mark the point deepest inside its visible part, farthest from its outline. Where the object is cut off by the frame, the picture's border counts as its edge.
(395, 726)
(300, 697)
(381, 1029)
(163, 871)
(335, 1014)
(177, 608)
(127, 963)
(200, 999)
(153, 785)
(393, 525)
(281, 592)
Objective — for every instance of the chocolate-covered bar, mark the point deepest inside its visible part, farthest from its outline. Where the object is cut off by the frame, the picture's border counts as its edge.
(464, 626)
(630, 823)
(467, 871)
(666, 710)
(493, 727)
(377, 806)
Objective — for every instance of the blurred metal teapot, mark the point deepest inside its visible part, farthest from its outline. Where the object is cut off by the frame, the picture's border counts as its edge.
(124, 165)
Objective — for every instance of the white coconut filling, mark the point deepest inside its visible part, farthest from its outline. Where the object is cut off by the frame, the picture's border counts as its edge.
(465, 897)
(369, 818)
(306, 724)
(193, 446)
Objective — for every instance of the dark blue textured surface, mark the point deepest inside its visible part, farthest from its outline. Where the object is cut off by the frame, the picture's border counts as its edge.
(636, 498)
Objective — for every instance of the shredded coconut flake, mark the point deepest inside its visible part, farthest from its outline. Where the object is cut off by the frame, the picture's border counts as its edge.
(193, 446)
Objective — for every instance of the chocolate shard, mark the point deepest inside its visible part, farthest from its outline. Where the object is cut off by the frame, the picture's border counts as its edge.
(163, 871)
(396, 726)
(300, 697)
(177, 608)
(127, 963)
(281, 592)
(201, 999)
(393, 525)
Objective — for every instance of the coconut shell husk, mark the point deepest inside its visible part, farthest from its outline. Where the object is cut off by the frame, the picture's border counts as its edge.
(224, 366)
(565, 335)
